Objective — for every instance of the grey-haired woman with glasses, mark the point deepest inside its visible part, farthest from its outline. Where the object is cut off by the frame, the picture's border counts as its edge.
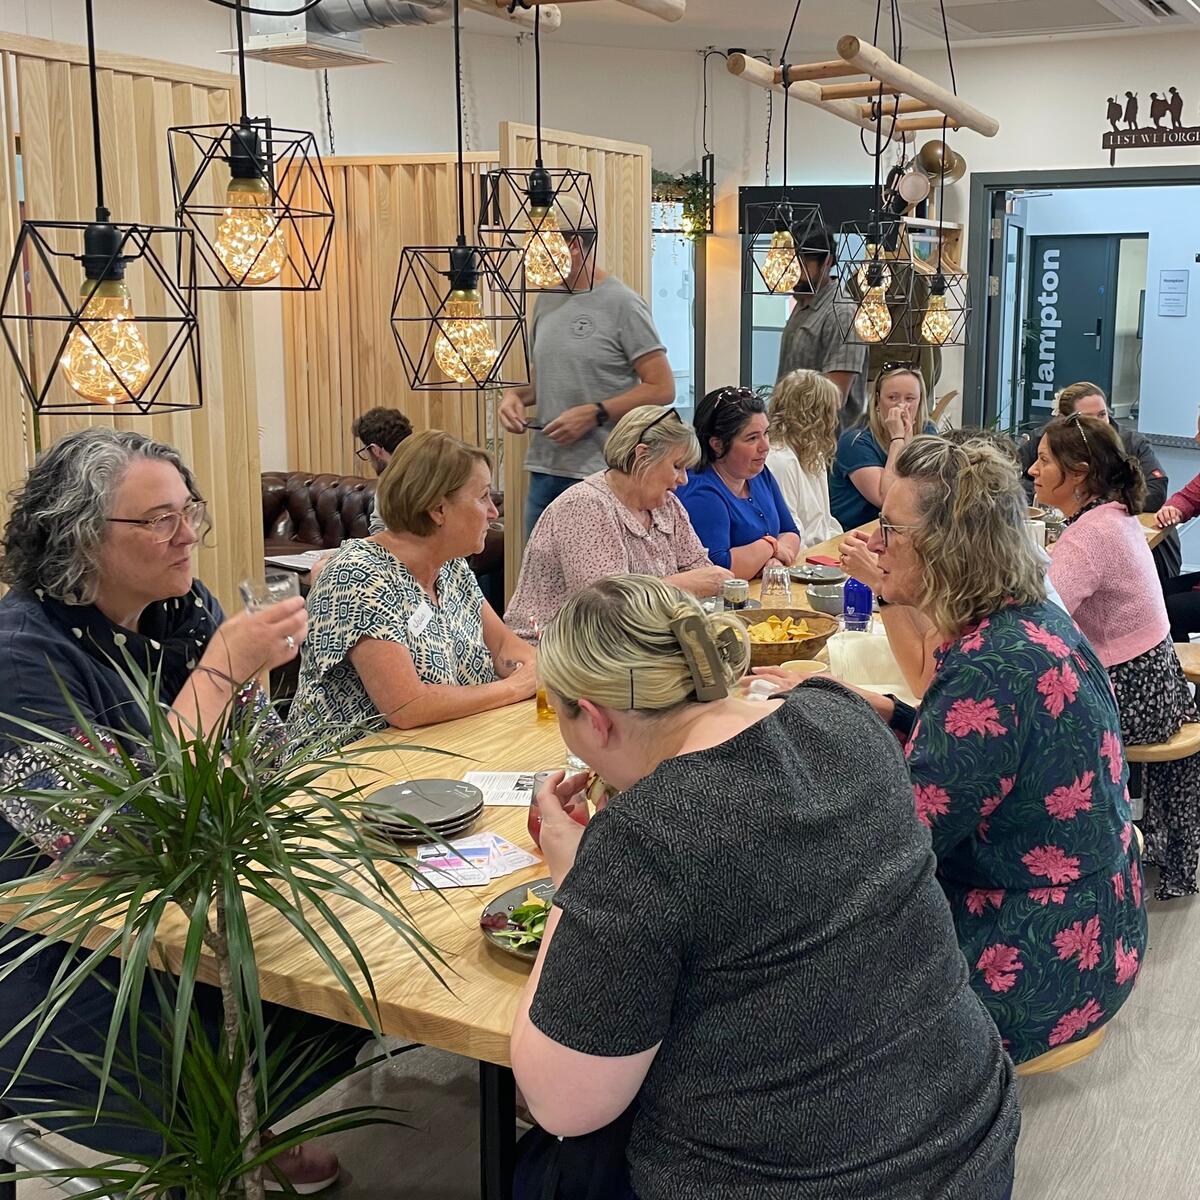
(98, 554)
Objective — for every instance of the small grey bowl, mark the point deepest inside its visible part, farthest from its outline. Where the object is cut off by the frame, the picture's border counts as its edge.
(825, 597)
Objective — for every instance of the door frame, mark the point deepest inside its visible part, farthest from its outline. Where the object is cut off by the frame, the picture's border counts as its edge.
(984, 187)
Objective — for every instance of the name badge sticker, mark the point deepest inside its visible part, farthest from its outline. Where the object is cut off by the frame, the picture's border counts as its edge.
(419, 621)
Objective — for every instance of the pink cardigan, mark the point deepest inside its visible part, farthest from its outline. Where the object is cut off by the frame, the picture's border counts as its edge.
(1104, 571)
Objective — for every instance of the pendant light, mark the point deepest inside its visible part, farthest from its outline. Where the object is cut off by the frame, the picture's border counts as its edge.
(783, 232)
(543, 211)
(458, 312)
(255, 194)
(83, 346)
(899, 299)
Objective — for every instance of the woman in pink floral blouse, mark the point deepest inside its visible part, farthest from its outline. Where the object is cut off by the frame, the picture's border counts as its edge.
(623, 521)
(1015, 754)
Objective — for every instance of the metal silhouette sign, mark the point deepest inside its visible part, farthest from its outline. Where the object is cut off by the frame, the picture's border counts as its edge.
(1137, 125)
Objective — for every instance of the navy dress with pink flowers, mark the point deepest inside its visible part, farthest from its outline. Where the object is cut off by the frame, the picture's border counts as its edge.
(1019, 773)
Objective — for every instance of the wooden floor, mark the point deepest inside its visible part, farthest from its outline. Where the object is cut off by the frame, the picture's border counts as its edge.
(1121, 1124)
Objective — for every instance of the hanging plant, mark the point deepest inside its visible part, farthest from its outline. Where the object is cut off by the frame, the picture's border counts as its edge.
(693, 192)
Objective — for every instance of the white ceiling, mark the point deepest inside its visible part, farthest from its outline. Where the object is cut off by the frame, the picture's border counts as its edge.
(760, 25)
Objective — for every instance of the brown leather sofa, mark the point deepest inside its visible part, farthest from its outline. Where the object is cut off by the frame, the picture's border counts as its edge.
(302, 511)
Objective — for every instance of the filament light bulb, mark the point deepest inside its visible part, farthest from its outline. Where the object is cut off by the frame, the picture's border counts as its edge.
(106, 359)
(875, 265)
(464, 348)
(249, 240)
(547, 255)
(938, 323)
(781, 269)
(873, 322)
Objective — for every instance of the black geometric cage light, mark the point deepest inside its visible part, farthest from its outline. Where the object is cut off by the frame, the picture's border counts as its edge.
(458, 312)
(258, 200)
(781, 233)
(898, 297)
(255, 195)
(548, 213)
(97, 314)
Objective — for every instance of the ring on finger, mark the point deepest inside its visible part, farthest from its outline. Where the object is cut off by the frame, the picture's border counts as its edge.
(289, 641)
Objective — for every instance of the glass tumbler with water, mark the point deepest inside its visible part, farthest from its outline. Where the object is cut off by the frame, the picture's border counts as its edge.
(776, 588)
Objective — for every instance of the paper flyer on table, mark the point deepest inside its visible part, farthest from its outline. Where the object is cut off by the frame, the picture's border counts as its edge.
(472, 862)
(508, 789)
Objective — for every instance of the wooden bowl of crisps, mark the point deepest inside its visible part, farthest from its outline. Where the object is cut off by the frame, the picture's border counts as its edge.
(778, 635)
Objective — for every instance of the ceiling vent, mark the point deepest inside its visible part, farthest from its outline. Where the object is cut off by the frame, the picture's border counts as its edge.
(987, 20)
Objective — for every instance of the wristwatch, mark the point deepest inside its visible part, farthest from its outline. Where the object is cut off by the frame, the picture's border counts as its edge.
(601, 414)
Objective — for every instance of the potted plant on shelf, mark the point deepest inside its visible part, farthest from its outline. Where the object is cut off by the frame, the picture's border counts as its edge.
(195, 829)
(692, 191)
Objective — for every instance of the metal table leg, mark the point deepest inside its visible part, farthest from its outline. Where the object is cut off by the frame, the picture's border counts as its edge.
(497, 1131)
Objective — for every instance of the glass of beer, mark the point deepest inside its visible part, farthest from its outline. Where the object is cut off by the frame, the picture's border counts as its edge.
(545, 711)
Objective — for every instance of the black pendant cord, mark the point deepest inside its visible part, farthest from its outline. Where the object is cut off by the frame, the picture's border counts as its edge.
(945, 147)
(458, 94)
(241, 60)
(102, 213)
(787, 83)
(267, 12)
(537, 79)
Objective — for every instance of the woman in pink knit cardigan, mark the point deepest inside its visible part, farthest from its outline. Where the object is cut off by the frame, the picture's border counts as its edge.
(1105, 574)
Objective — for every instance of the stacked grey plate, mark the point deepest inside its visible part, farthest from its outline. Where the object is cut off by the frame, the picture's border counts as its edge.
(447, 807)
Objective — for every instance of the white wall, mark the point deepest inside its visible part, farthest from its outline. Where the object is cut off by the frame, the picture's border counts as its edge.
(1049, 97)
(1171, 345)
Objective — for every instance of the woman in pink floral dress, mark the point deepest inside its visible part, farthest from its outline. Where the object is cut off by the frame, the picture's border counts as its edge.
(1015, 754)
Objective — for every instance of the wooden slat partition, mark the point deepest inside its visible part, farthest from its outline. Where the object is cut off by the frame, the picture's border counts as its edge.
(45, 101)
(340, 353)
(621, 178)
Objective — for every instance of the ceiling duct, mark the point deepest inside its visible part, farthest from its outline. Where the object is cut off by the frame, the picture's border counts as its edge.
(330, 35)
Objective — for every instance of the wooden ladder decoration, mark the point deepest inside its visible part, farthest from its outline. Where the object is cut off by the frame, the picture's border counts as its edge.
(910, 101)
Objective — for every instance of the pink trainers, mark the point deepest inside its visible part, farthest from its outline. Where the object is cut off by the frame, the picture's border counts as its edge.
(306, 1168)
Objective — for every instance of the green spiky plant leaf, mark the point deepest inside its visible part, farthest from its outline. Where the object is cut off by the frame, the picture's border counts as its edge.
(197, 828)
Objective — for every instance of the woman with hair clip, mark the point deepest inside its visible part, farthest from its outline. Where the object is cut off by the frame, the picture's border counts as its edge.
(748, 933)
(625, 519)
(1015, 754)
(733, 500)
(803, 429)
(1105, 574)
(864, 467)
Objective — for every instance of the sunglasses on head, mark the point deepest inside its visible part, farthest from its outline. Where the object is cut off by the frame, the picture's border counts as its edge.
(1076, 419)
(899, 366)
(733, 393)
(669, 412)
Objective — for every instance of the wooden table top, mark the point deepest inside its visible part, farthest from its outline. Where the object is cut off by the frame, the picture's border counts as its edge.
(1154, 535)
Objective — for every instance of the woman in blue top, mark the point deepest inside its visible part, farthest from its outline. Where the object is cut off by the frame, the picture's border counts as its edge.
(865, 465)
(735, 504)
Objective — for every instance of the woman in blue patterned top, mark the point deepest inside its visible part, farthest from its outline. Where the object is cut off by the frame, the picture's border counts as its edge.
(733, 501)
(398, 628)
(1015, 754)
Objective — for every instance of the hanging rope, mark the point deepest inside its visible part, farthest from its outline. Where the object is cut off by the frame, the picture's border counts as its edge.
(945, 145)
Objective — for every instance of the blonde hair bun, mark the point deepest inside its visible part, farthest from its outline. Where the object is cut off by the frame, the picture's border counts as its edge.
(613, 644)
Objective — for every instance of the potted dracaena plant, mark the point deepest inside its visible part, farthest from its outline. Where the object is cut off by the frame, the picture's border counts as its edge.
(196, 827)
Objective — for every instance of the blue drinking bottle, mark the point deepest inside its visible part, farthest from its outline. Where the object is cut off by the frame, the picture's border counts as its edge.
(857, 603)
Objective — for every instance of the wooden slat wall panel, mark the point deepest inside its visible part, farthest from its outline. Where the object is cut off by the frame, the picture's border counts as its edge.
(341, 355)
(621, 178)
(140, 99)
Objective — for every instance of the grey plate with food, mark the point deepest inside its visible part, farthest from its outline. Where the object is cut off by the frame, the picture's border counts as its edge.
(502, 907)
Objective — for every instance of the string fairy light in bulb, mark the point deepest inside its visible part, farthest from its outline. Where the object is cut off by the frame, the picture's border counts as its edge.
(249, 239)
(937, 326)
(873, 322)
(464, 348)
(106, 359)
(781, 267)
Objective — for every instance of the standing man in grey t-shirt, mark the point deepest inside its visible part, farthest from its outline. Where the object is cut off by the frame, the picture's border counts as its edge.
(593, 355)
(813, 337)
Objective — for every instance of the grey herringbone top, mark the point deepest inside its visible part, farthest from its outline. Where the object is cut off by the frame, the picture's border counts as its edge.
(766, 913)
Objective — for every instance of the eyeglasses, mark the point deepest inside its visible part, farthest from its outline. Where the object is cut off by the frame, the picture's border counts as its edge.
(363, 453)
(165, 526)
(670, 412)
(1076, 419)
(886, 529)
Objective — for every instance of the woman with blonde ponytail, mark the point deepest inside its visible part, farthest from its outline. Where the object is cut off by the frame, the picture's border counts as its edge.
(715, 967)
(1015, 753)
(1105, 573)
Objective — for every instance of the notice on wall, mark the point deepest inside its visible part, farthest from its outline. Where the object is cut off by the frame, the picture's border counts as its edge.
(1173, 293)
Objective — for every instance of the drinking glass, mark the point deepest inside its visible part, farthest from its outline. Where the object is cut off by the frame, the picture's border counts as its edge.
(545, 711)
(776, 588)
(262, 593)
